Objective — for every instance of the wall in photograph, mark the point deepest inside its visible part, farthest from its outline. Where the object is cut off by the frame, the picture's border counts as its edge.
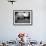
(38, 29)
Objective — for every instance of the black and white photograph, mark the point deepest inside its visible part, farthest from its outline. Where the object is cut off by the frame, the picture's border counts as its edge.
(22, 16)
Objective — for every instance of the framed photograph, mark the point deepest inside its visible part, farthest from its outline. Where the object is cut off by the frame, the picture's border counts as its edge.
(22, 17)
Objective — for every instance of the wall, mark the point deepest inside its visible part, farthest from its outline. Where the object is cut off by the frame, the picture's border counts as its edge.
(38, 30)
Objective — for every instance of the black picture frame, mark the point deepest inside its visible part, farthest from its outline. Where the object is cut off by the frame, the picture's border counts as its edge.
(28, 22)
